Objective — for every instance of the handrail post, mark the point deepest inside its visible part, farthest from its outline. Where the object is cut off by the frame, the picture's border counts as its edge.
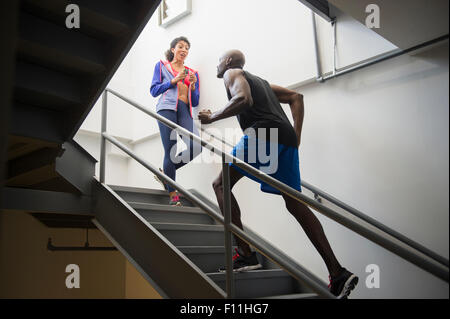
(227, 231)
(102, 138)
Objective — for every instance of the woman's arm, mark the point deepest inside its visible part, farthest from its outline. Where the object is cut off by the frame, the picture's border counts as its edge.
(158, 86)
(195, 90)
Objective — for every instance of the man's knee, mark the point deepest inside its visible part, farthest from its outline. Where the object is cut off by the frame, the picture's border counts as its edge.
(292, 204)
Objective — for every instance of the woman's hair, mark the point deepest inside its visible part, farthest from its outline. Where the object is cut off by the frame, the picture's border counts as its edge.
(169, 54)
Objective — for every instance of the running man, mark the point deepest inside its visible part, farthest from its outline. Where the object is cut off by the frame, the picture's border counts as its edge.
(256, 104)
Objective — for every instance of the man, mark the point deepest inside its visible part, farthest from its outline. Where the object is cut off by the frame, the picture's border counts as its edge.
(256, 103)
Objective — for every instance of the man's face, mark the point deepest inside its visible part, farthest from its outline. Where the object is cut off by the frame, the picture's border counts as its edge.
(222, 67)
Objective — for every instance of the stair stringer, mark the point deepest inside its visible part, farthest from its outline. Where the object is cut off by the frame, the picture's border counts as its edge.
(171, 273)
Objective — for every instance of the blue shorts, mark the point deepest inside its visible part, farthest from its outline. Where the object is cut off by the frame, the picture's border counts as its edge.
(276, 160)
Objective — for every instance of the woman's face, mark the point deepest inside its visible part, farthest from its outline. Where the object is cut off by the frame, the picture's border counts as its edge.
(180, 51)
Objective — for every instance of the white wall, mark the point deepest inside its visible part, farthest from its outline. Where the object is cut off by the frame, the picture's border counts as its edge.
(377, 138)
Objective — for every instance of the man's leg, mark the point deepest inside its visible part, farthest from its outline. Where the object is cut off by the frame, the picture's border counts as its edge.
(313, 229)
(235, 176)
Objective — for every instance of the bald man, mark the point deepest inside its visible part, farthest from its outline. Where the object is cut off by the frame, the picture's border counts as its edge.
(256, 104)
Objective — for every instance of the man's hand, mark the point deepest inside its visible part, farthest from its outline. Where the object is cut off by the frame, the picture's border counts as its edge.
(205, 116)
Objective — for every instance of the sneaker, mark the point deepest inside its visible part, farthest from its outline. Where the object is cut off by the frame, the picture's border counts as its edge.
(160, 181)
(342, 285)
(243, 263)
(175, 201)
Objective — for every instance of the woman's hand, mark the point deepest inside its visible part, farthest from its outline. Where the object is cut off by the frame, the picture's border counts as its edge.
(193, 80)
(205, 116)
(178, 78)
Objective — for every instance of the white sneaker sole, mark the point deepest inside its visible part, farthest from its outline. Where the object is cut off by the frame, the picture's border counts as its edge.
(243, 269)
(248, 268)
(349, 285)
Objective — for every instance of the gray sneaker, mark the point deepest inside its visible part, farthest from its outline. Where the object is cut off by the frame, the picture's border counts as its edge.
(175, 201)
(243, 263)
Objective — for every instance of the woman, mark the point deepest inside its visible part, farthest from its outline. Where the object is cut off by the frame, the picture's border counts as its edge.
(178, 86)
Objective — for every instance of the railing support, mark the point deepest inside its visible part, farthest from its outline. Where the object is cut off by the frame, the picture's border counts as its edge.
(102, 138)
(227, 227)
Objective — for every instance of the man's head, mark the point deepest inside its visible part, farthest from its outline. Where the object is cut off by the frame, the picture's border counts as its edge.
(230, 60)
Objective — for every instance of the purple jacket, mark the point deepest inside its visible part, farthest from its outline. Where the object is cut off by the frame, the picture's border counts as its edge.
(161, 85)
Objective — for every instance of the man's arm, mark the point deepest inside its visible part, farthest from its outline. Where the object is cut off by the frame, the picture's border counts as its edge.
(295, 101)
(241, 97)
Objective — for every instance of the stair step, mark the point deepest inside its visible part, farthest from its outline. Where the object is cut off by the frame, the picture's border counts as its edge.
(295, 296)
(210, 258)
(192, 235)
(100, 19)
(260, 283)
(171, 214)
(59, 48)
(33, 177)
(39, 86)
(144, 195)
(33, 168)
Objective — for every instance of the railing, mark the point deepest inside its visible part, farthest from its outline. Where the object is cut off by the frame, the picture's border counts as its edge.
(348, 69)
(318, 194)
(293, 268)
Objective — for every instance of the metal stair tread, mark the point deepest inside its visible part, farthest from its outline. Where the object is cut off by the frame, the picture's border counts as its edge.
(167, 208)
(96, 22)
(45, 83)
(183, 226)
(253, 274)
(293, 296)
(32, 27)
(130, 189)
(201, 249)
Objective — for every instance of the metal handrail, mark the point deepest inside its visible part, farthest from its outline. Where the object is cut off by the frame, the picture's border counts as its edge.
(412, 255)
(291, 267)
(317, 192)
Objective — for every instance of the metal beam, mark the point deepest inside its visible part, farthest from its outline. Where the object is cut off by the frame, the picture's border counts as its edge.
(76, 166)
(320, 7)
(37, 201)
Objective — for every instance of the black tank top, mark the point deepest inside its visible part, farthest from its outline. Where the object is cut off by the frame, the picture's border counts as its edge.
(266, 112)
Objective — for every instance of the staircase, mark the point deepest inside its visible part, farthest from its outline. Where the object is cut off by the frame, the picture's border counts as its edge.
(59, 74)
(196, 236)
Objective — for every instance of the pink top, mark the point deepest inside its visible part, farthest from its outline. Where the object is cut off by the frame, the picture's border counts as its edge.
(175, 73)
